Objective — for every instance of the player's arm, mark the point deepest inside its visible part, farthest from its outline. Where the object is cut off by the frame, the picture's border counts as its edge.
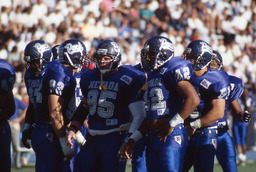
(55, 104)
(238, 112)
(138, 112)
(28, 128)
(214, 114)
(191, 101)
(76, 123)
(7, 105)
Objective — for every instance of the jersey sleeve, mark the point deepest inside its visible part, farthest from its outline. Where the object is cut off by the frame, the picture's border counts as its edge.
(181, 72)
(56, 79)
(236, 88)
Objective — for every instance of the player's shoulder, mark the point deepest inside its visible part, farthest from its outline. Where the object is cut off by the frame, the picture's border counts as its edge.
(131, 71)
(235, 80)
(90, 73)
(7, 69)
(7, 76)
(217, 78)
(178, 62)
(138, 67)
(54, 67)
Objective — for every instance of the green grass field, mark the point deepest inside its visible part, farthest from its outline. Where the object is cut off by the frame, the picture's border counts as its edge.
(250, 167)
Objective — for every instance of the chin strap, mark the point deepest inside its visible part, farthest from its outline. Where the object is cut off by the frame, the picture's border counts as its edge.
(145, 86)
(102, 86)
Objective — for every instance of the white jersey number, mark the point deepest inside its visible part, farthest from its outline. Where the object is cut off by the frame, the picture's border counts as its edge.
(105, 108)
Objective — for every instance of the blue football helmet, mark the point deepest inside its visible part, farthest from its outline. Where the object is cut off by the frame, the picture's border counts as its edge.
(108, 48)
(55, 51)
(156, 52)
(200, 52)
(217, 58)
(73, 52)
(36, 54)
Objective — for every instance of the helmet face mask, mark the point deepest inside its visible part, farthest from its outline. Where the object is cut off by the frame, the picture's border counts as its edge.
(36, 54)
(110, 49)
(199, 53)
(73, 52)
(156, 52)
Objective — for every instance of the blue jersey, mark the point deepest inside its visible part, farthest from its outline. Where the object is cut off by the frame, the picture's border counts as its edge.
(236, 90)
(7, 76)
(211, 85)
(58, 80)
(33, 84)
(109, 108)
(162, 100)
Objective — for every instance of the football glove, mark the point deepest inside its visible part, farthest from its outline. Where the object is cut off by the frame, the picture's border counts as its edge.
(246, 116)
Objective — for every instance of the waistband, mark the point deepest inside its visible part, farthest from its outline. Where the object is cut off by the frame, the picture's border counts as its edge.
(207, 130)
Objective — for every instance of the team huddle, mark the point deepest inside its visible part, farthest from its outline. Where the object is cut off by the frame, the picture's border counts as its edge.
(167, 113)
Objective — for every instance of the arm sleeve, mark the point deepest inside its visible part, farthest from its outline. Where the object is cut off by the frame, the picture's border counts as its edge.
(138, 112)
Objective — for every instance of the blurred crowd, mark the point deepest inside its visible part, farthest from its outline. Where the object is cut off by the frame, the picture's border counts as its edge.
(229, 26)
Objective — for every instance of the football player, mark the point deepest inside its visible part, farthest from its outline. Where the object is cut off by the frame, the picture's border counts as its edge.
(109, 100)
(226, 153)
(36, 55)
(239, 128)
(7, 109)
(213, 88)
(78, 95)
(139, 153)
(170, 98)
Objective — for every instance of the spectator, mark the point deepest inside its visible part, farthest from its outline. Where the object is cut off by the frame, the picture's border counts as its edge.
(15, 121)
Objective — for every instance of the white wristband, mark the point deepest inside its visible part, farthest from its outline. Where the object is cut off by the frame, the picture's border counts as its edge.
(177, 119)
(196, 124)
(80, 139)
(136, 135)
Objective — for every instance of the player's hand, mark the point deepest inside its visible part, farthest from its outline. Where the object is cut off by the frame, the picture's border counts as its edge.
(246, 116)
(26, 135)
(126, 150)
(121, 152)
(71, 135)
(67, 151)
(190, 130)
(165, 131)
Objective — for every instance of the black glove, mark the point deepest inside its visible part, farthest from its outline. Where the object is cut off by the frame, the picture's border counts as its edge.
(26, 134)
(246, 116)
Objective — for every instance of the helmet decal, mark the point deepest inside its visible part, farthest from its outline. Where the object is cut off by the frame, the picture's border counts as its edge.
(71, 49)
(41, 48)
